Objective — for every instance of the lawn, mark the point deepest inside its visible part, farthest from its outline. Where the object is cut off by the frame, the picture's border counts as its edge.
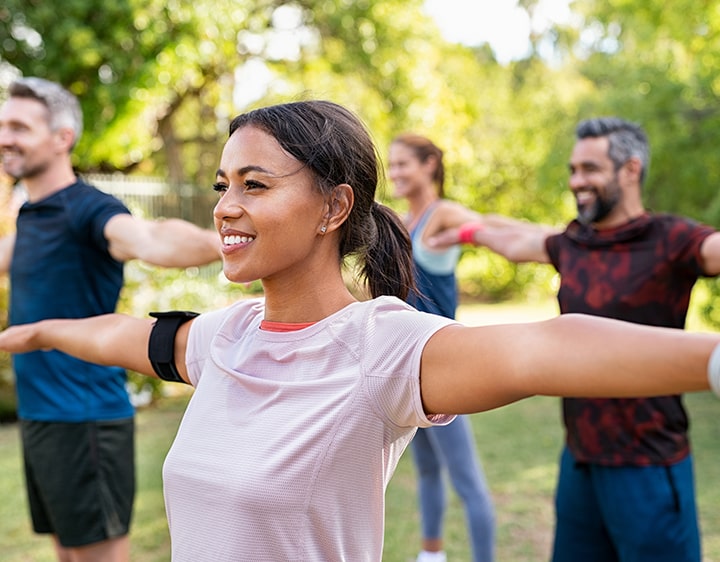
(518, 446)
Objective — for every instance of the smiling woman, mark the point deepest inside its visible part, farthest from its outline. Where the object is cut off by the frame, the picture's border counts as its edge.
(307, 396)
(417, 170)
(253, 198)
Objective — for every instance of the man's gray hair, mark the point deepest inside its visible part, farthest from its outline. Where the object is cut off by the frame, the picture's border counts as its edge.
(626, 140)
(63, 107)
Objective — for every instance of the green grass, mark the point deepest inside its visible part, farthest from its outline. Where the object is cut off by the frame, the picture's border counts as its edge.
(156, 427)
(518, 446)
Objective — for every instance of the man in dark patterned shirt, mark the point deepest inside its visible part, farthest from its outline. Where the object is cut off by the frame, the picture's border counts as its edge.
(626, 487)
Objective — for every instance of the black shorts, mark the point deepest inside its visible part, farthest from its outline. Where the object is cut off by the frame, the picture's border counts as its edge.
(80, 478)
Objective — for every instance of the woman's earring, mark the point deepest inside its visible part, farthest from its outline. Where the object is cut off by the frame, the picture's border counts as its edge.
(323, 228)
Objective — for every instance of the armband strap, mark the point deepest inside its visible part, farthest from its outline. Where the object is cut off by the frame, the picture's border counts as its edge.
(466, 233)
(714, 370)
(161, 345)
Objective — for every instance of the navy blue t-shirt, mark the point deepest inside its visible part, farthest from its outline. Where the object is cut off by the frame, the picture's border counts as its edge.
(61, 268)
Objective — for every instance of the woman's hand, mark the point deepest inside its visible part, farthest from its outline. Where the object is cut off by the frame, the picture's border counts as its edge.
(22, 338)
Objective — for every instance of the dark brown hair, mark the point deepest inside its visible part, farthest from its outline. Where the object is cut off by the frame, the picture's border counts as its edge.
(337, 148)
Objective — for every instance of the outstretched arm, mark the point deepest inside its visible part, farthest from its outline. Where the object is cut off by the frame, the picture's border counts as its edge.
(110, 339)
(516, 240)
(166, 242)
(472, 369)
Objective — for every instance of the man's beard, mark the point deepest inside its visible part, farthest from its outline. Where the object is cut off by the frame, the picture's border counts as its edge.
(25, 171)
(601, 207)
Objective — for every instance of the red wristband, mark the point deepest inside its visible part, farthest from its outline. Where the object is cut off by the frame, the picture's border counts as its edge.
(466, 233)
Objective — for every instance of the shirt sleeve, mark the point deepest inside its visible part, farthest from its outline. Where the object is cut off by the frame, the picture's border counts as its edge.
(209, 325)
(395, 338)
(91, 212)
(685, 238)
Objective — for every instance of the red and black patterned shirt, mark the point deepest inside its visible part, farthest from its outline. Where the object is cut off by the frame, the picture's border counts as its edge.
(641, 272)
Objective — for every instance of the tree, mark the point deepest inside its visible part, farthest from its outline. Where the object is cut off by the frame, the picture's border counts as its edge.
(656, 63)
(152, 76)
(160, 80)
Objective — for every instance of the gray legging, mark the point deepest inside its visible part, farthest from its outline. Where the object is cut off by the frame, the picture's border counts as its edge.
(452, 446)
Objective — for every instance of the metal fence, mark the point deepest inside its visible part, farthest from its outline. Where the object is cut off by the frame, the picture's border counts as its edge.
(153, 198)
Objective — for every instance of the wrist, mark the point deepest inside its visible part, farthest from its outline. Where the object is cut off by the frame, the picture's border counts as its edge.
(466, 233)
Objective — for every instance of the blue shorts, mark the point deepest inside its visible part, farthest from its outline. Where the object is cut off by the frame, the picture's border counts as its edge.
(625, 514)
(80, 478)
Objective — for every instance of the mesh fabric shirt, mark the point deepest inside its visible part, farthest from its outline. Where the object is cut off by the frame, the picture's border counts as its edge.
(290, 438)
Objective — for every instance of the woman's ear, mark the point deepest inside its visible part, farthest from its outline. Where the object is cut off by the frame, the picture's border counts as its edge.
(338, 207)
(431, 164)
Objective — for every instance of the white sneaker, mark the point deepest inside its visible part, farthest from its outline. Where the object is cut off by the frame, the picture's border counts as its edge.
(426, 556)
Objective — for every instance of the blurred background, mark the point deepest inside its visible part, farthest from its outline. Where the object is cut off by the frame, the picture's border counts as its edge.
(499, 85)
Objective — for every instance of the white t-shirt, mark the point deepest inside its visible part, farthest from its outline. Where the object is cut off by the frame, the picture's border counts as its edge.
(290, 439)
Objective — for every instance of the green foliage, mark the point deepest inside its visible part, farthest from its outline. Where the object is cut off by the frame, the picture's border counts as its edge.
(152, 75)
(485, 276)
(657, 63)
(8, 402)
(160, 80)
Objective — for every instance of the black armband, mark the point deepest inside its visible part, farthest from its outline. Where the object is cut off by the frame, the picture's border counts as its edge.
(161, 345)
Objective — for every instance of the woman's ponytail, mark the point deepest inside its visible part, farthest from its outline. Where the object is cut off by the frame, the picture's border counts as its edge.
(388, 265)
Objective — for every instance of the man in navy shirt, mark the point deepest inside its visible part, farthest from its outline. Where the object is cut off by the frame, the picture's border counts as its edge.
(66, 261)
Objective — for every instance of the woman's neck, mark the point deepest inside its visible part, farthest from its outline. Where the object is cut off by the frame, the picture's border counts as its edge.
(306, 300)
(417, 206)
